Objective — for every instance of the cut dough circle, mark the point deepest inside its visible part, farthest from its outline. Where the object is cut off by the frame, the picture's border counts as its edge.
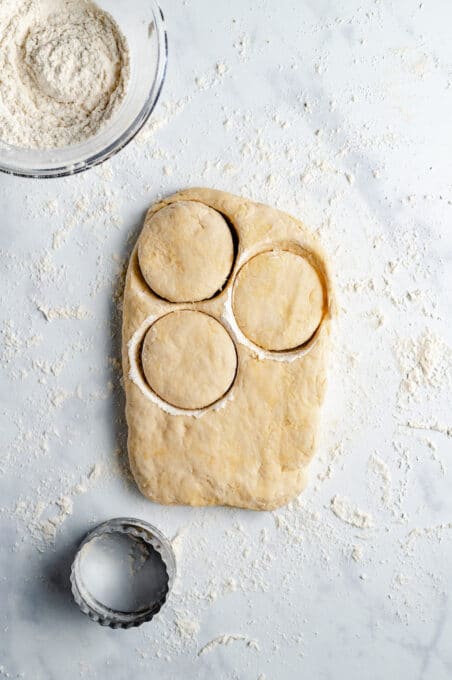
(186, 252)
(278, 300)
(189, 359)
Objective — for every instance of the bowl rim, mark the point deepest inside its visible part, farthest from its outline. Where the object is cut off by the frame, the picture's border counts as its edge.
(128, 135)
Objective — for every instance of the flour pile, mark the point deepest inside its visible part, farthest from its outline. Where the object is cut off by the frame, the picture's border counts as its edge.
(64, 70)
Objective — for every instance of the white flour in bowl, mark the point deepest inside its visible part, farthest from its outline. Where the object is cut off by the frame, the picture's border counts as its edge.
(64, 70)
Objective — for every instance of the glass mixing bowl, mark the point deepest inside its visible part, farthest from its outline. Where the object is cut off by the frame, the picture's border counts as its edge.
(142, 23)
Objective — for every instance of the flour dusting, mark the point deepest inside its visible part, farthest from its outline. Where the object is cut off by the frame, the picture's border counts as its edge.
(226, 640)
(343, 509)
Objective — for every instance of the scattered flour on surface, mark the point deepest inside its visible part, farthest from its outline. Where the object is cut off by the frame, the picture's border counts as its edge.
(227, 639)
(53, 313)
(350, 514)
(382, 470)
(425, 362)
(357, 553)
(431, 426)
(187, 627)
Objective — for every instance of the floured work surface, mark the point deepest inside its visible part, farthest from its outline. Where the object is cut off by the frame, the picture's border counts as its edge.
(227, 312)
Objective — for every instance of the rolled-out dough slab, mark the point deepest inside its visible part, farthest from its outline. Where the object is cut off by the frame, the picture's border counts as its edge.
(251, 446)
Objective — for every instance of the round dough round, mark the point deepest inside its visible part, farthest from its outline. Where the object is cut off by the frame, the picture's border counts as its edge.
(278, 300)
(186, 252)
(189, 359)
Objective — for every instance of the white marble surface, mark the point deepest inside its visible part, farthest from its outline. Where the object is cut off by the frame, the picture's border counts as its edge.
(337, 111)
